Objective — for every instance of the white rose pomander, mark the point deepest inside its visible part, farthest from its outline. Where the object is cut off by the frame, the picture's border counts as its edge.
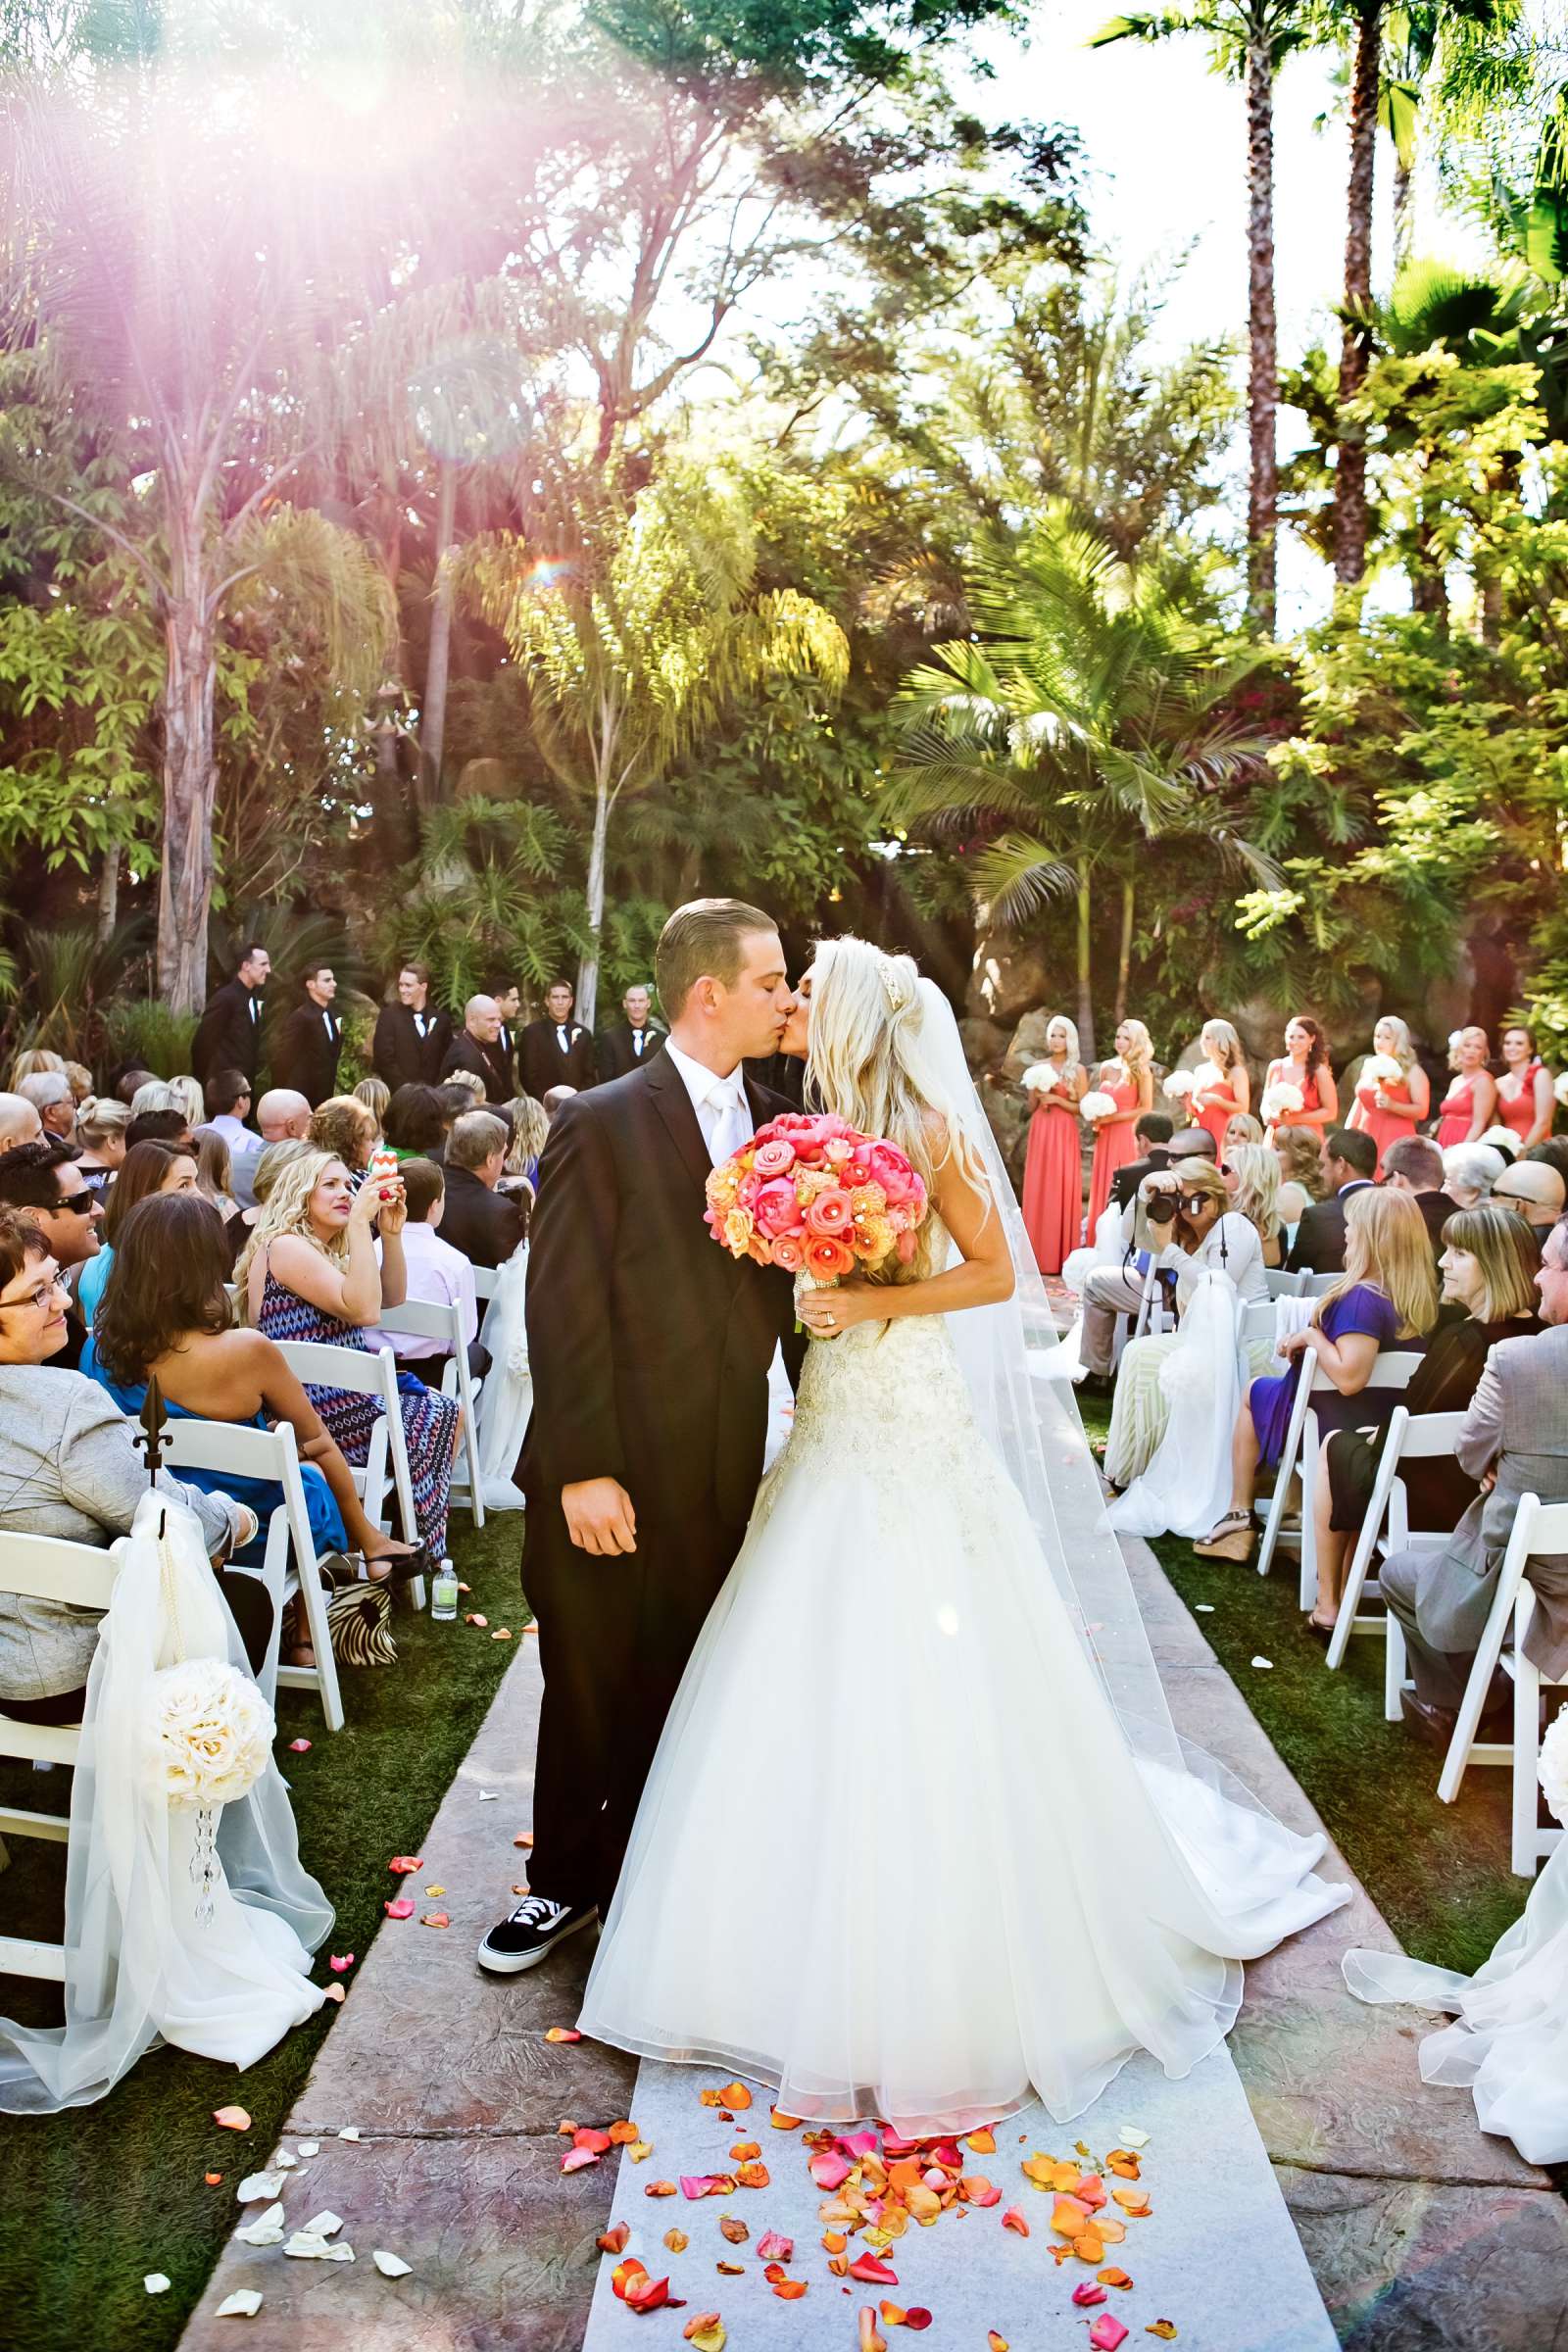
(1040, 1075)
(1552, 1768)
(210, 1737)
(1382, 1069)
(1178, 1084)
(1097, 1105)
(1281, 1098)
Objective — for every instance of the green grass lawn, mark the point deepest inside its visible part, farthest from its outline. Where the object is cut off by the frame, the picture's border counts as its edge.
(93, 2199)
(1439, 1873)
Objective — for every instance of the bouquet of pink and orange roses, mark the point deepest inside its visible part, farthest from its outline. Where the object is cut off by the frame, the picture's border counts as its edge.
(811, 1195)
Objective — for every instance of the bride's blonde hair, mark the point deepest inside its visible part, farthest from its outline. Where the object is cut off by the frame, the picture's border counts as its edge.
(868, 1059)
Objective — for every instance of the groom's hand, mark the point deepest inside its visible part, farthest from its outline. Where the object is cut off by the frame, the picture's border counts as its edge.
(599, 1516)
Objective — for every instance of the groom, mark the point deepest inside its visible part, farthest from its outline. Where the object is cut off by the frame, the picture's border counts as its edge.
(650, 1349)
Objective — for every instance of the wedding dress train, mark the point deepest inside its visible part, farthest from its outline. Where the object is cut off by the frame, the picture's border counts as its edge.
(899, 1855)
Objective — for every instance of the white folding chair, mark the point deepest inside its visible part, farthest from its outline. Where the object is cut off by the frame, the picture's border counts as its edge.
(1282, 1285)
(485, 1280)
(368, 1372)
(46, 1568)
(1423, 1436)
(1392, 1369)
(273, 1453)
(442, 1320)
(1316, 1286)
(1537, 1528)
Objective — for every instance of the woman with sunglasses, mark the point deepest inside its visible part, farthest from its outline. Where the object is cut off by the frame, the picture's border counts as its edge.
(1190, 1213)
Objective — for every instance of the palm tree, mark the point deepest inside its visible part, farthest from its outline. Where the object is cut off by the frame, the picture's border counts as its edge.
(1088, 718)
(639, 629)
(1248, 42)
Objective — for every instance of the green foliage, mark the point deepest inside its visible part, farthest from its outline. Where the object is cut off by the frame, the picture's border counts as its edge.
(145, 1031)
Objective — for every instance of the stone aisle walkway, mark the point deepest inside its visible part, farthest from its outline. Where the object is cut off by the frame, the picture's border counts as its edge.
(1420, 2232)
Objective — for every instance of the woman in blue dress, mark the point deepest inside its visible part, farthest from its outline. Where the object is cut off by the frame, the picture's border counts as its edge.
(1386, 1297)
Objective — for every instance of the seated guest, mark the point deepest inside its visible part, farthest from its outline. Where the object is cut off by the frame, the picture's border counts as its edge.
(167, 1126)
(1469, 1172)
(129, 1083)
(148, 1168)
(1242, 1128)
(347, 1129)
(556, 1096)
(376, 1095)
(101, 1125)
(1413, 1164)
(1387, 1296)
(270, 1165)
(189, 1098)
(1151, 1134)
(35, 1062)
(166, 1314)
(310, 1272)
(1348, 1159)
(20, 1122)
(531, 1131)
(1300, 1158)
(157, 1094)
(52, 1097)
(1513, 1440)
(1487, 1268)
(1193, 1143)
(1251, 1177)
(82, 1085)
(1207, 1235)
(43, 1180)
(436, 1273)
(485, 1224)
(69, 1468)
(215, 1173)
(226, 1099)
(1552, 1153)
(416, 1122)
(1534, 1192)
(283, 1115)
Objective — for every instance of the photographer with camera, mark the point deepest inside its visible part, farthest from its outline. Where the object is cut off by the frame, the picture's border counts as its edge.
(1184, 1222)
(1195, 1232)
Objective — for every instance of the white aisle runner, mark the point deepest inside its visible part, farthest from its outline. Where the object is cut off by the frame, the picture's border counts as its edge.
(1218, 2254)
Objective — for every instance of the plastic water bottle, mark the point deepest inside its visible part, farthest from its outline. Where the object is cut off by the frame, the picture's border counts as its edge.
(444, 1593)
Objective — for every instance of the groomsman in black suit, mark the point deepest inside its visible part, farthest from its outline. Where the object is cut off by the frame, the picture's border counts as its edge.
(557, 1050)
(633, 1040)
(230, 1034)
(311, 1039)
(649, 1350)
(509, 1003)
(413, 1035)
(477, 1047)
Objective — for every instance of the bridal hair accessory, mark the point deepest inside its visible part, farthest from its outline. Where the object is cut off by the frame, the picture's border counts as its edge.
(1096, 1105)
(1281, 1098)
(1179, 1084)
(815, 1197)
(894, 986)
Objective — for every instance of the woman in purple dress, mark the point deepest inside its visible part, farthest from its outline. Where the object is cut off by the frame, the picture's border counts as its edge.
(1388, 1295)
(310, 1272)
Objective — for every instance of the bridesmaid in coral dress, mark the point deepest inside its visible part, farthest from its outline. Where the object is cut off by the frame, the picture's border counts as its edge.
(1389, 1108)
(1304, 1065)
(1053, 1171)
(1525, 1102)
(1470, 1105)
(1222, 1091)
(1129, 1080)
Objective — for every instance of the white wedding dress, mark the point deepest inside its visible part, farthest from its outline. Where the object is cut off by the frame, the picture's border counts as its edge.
(911, 1848)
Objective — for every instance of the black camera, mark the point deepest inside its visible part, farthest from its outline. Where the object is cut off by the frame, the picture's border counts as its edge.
(1160, 1208)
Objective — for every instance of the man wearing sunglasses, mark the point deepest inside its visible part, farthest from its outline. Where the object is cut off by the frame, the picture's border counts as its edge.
(44, 1179)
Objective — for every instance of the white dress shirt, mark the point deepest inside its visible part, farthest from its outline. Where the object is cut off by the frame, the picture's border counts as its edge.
(724, 1112)
(1232, 1246)
(437, 1274)
(235, 1134)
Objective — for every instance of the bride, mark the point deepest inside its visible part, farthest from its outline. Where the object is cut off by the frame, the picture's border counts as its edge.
(920, 1843)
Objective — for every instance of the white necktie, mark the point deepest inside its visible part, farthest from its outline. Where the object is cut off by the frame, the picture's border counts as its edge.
(420, 1022)
(564, 1045)
(731, 1122)
(637, 1043)
(326, 1023)
(253, 1004)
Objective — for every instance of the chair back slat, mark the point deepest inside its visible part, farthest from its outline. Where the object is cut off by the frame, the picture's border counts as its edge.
(51, 1568)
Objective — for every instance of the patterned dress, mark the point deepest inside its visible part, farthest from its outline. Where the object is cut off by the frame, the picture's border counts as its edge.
(429, 1420)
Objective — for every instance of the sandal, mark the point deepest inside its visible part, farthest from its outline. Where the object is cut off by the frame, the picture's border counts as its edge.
(1319, 1630)
(1232, 1539)
(401, 1567)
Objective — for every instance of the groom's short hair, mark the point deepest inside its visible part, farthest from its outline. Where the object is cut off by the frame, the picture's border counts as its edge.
(706, 936)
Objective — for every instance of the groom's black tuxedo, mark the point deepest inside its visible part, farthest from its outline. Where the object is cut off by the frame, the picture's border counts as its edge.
(649, 1347)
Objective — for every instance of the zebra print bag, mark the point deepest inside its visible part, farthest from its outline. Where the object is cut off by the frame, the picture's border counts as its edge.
(359, 1618)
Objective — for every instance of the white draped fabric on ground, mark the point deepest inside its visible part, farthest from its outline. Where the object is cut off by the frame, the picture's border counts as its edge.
(158, 1948)
(919, 1841)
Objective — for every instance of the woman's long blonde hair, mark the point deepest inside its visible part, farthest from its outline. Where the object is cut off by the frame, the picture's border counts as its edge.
(1140, 1055)
(1257, 1189)
(1387, 1244)
(529, 1123)
(287, 1210)
(1060, 1020)
(865, 1061)
(1230, 1044)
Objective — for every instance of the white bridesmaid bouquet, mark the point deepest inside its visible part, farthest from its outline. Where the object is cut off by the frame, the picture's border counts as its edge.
(1279, 1099)
(1041, 1076)
(209, 1734)
(1382, 1069)
(1179, 1085)
(1097, 1105)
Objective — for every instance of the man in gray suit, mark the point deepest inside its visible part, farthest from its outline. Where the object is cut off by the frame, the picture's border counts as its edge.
(1513, 1440)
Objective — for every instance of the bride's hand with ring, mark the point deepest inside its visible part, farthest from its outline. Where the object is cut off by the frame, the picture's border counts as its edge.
(829, 1313)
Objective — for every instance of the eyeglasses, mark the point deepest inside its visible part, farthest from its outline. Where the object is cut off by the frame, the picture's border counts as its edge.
(43, 1298)
(1193, 1205)
(80, 1204)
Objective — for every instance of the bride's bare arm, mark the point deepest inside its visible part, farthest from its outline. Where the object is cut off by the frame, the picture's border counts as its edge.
(984, 1276)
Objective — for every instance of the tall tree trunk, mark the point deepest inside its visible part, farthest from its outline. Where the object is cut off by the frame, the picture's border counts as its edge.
(588, 967)
(1404, 211)
(1262, 384)
(190, 779)
(1086, 1000)
(108, 894)
(1350, 493)
(1124, 955)
(433, 716)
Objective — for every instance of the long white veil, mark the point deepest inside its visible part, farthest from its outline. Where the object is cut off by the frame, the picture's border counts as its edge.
(1019, 1378)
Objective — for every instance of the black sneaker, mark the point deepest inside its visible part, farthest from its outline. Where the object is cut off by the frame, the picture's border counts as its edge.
(532, 1934)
